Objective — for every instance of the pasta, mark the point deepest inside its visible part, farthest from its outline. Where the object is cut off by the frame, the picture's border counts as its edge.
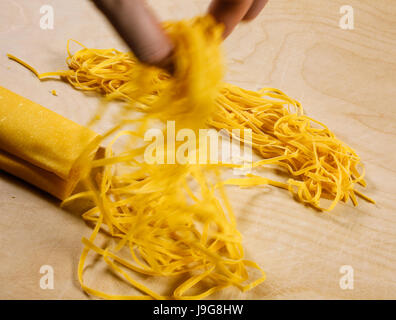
(42, 147)
(167, 226)
(319, 164)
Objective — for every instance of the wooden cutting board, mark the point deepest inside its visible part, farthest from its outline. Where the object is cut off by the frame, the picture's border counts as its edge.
(344, 78)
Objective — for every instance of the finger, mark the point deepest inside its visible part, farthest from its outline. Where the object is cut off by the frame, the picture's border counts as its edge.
(255, 9)
(137, 25)
(229, 12)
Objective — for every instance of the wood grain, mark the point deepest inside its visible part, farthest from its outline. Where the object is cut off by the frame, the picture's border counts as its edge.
(344, 78)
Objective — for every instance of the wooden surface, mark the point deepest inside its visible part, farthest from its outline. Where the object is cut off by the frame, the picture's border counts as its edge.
(345, 78)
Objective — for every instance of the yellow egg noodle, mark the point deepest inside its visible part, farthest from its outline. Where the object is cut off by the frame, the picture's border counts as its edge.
(167, 227)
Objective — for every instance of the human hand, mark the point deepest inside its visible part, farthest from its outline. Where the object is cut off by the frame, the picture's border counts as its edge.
(139, 28)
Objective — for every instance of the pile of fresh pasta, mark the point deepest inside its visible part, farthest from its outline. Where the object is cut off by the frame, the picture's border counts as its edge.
(176, 219)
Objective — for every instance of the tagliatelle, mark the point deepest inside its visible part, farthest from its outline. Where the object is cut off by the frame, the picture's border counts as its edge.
(320, 165)
(168, 228)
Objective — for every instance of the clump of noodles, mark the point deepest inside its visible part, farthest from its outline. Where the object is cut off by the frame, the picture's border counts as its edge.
(154, 210)
(319, 164)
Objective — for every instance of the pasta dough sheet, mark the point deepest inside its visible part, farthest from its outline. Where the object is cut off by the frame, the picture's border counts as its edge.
(42, 147)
